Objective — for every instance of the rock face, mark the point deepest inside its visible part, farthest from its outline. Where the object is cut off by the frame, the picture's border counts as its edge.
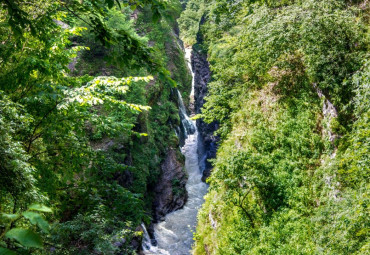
(330, 112)
(202, 75)
(170, 192)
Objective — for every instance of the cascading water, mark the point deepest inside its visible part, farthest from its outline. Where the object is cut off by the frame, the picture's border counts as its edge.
(148, 248)
(174, 236)
(186, 123)
(188, 52)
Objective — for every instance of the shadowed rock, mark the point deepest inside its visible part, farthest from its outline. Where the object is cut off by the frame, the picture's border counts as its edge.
(170, 192)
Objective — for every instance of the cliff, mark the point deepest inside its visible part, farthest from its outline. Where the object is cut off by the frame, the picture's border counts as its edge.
(202, 76)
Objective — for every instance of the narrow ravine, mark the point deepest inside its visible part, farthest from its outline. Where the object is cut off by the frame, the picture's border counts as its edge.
(174, 235)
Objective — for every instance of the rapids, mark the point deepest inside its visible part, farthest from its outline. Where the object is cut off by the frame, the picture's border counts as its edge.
(174, 235)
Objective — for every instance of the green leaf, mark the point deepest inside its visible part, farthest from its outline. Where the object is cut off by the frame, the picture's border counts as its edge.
(119, 4)
(156, 15)
(10, 216)
(37, 219)
(25, 237)
(4, 251)
(110, 3)
(40, 208)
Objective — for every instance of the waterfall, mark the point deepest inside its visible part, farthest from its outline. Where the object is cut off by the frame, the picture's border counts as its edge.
(174, 236)
(188, 52)
(187, 125)
(147, 246)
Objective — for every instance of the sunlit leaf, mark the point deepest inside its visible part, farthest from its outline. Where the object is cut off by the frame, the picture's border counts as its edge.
(37, 219)
(25, 237)
(10, 216)
(40, 208)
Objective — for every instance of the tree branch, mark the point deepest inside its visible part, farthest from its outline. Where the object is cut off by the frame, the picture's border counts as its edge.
(32, 138)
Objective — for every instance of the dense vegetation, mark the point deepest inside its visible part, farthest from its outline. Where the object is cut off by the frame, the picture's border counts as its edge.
(290, 89)
(85, 117)
(88, 112)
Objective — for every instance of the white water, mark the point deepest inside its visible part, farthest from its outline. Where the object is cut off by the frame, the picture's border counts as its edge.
(188, 125)
(188, 52)
(175, 235)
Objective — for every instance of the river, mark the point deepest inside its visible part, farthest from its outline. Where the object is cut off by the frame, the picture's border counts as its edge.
(175, 234)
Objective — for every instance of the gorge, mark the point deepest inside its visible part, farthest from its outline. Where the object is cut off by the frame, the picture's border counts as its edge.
(174, 236)
(176, 127)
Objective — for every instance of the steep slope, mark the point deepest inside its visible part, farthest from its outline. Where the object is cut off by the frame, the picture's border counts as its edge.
(98, 151)
(288, 89)
(155, 165)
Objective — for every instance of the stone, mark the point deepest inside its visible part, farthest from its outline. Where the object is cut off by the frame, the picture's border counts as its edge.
(170, 192)
(209, 142)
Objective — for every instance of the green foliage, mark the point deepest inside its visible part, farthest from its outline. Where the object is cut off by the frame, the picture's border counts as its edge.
(28, 238)
(86, 143)
(287, 31)
(176, 187)
(36, 219)
(278, 186)
(189, 21)
(25, 237)
(4, 251)
(94, 232)
(353, 167)
(17, 174)
(39, 208)
(23, 16)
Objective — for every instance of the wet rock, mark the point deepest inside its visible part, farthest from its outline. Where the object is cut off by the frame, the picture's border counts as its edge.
(137, 240)
(202, 75)
(151, 234)
(170, 192)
